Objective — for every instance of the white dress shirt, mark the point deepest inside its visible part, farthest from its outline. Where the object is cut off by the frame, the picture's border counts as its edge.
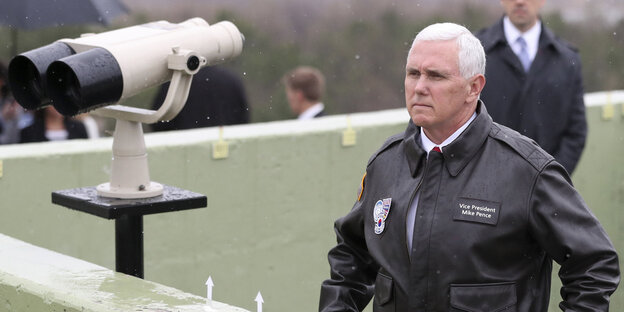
(531, 37)
(311, 111)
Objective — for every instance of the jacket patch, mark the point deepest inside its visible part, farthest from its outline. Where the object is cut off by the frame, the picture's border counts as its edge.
(380, 213)
(476, 210)
(361, 190)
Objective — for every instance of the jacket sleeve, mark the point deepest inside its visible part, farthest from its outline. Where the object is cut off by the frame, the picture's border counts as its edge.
(573, 139)
(353, 271)
(568, 231)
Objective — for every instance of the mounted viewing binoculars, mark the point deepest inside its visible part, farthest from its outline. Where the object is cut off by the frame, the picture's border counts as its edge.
(95, 70)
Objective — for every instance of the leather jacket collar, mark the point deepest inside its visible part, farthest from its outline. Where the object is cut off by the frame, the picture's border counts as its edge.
(457, 154)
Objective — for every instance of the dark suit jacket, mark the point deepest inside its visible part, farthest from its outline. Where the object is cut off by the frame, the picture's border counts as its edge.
(320, 114)
(545, 104)
(217, 97)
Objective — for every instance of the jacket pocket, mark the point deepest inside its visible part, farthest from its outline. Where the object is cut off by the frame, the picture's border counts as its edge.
(384, 294)
(483, 297)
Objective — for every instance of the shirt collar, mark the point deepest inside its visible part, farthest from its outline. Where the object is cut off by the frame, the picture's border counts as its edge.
(531, 36)
(457, 154)
(428, 144)
(311, 111)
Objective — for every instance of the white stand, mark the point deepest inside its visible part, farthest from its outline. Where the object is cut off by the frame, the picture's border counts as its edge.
(129, 172)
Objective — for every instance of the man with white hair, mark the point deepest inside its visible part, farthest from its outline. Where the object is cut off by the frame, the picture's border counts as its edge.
(459, 213)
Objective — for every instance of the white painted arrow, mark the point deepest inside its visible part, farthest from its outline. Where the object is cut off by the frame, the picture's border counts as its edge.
(259, 301)
(209, 285)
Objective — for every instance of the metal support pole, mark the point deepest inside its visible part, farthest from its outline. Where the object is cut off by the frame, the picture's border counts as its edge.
(128, 215)
(129, 245)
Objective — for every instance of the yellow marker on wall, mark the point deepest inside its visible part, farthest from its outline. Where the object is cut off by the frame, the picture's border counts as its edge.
(348, 136)
(0, 168)
(220, 149)
(608, 110)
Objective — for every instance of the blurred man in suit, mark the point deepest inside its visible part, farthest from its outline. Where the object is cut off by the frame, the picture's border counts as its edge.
(304, 89)
(534, 81)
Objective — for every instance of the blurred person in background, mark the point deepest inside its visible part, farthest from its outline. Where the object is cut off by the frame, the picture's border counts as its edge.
(217, 98)
(305, 87)
(50, 125)
(12, 117)
(10, 113)
(91, 125)
(534, 81)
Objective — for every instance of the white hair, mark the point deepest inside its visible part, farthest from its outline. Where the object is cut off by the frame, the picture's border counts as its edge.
(470, 51)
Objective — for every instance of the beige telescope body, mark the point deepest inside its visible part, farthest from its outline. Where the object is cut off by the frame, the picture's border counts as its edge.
(139, 50)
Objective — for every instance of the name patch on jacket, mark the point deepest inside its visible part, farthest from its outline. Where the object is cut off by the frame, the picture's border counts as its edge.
(476, 210)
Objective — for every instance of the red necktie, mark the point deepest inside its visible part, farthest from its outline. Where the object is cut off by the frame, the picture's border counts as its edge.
(436, 149)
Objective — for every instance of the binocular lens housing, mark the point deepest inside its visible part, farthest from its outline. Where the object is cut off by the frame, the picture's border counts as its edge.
(84, 81)
(95, 70)
(27, 74)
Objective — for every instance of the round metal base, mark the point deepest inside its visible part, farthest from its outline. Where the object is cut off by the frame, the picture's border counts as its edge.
(152, 190)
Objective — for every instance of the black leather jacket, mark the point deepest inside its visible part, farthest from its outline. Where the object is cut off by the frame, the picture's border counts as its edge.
(494, 211)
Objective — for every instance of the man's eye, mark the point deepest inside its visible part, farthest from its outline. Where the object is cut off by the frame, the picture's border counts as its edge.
(435, 76)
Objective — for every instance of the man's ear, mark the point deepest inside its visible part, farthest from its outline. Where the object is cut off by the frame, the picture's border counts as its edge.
(476, 84)
(299, 95)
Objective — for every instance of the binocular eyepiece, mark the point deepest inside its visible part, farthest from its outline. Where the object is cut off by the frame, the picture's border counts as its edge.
(55, 74)
(84, 81)
(27, 74)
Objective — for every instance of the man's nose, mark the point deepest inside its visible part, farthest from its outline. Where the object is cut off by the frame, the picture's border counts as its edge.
(420, 85)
